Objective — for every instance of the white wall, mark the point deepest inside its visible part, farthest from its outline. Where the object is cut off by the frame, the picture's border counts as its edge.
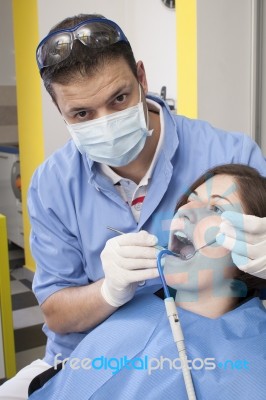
(224, 63)
(150, 28)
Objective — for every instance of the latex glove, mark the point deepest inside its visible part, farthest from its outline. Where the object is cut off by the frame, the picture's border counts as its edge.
(127, 260)
(245, 235)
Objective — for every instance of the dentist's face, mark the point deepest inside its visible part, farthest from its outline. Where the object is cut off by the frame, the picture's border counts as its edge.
(110, 89)
(195, 224)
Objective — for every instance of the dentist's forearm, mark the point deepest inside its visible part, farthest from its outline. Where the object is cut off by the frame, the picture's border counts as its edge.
(76, 309)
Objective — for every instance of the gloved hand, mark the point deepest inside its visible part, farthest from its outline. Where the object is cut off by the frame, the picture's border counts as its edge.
(245, 235)
(127, 260)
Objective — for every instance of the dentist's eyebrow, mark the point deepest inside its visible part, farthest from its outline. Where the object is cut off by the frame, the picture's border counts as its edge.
(118, 91)
(77, 109)
(111, 96)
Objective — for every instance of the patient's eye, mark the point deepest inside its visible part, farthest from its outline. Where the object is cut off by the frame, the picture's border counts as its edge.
(217, 209)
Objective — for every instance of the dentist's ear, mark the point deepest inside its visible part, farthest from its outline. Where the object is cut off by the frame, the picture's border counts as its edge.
(142, 76)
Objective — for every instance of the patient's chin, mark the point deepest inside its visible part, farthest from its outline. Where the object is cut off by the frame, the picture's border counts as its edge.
(173, 280)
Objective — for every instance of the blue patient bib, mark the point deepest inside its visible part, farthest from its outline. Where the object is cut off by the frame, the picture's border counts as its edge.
(132, 356)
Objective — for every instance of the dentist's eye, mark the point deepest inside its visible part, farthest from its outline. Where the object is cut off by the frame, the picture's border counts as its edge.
(82, 114)
(121, 98)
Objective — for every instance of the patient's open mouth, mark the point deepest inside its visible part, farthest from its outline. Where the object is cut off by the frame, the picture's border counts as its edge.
(181, 244)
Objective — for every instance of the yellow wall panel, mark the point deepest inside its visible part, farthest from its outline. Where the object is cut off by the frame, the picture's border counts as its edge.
(29, 103)
(186, 22)
(5, 304)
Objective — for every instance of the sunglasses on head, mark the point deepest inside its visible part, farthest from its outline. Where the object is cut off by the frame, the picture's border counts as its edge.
(94, 33)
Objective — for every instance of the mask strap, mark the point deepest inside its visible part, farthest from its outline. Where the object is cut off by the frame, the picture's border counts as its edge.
(147, 115)
(140, 92)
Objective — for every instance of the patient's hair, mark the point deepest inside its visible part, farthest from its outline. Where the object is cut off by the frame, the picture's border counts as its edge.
(252, 192)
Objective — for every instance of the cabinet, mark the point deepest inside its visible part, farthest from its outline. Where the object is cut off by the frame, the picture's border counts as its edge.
(10, 194)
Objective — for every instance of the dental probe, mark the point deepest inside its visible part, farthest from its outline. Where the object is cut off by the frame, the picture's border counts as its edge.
(156, 246)
(177, 333)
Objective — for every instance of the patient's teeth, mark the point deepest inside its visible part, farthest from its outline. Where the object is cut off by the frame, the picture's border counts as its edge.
(181, 237)
(180, 234)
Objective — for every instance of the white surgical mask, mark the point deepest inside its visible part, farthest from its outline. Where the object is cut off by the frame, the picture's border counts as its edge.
(115, 139)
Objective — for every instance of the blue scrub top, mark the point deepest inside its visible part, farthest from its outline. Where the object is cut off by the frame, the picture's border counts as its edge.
(132, 356)
(71, 203)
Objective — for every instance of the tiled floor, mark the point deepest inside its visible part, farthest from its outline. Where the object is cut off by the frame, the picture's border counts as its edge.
(27, 317)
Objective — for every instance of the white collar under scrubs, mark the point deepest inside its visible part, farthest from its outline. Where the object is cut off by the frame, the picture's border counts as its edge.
(133, 193)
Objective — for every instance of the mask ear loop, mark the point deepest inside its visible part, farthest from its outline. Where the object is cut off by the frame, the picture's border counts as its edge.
(140, 101)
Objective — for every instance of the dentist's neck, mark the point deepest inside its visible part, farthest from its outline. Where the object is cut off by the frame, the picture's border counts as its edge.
(138, 168)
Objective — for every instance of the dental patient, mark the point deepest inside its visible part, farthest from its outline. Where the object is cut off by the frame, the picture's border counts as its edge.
(132, 354)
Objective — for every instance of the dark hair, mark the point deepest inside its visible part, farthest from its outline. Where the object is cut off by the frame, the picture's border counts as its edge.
(84, 61)
(252, 192)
